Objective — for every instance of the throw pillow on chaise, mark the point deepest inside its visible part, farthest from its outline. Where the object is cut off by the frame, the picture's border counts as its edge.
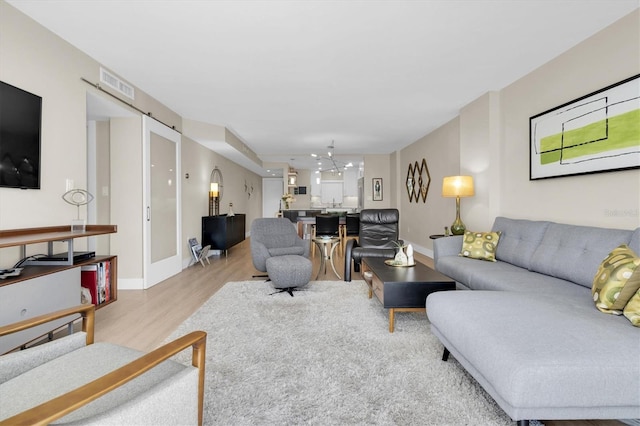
(617, 280)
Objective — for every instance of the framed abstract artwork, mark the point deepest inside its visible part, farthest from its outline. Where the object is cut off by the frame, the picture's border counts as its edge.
(598, 132)
(377, 189)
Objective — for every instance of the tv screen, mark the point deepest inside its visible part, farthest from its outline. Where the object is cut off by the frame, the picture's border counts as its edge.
(20, 120)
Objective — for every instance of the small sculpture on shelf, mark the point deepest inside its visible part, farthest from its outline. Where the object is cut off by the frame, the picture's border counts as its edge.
(77, 197)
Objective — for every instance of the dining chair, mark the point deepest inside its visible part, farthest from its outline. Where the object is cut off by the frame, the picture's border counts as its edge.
(351, 228)
(327, 225)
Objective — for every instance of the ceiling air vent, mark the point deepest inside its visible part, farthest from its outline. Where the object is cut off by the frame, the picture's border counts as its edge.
(115, 83)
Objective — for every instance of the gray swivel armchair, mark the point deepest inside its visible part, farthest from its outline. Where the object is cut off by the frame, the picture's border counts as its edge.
(275, 236)
(378, 237)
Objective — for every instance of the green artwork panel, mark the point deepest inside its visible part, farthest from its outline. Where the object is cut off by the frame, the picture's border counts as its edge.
(624, 132)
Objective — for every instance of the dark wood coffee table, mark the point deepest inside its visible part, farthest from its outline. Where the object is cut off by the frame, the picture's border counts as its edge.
(402, 289)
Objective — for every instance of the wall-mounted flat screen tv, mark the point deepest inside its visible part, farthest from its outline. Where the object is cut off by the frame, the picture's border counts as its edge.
(20, 124)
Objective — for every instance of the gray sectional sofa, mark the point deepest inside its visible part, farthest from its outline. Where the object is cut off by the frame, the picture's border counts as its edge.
(529, 331)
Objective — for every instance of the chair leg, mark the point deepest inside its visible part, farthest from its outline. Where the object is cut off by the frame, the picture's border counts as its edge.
(289, 290)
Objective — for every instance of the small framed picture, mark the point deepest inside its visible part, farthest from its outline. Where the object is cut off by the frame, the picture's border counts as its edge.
(377, 189)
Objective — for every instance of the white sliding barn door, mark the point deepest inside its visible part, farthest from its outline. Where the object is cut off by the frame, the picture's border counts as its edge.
(162, 201)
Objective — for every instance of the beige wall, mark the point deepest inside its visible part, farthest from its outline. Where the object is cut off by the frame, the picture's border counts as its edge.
(103, 172)
(303, 179)
(605, 199)
(198, 162)
(126, 199)
(378, 166)
(490, 141)
(441, 150)
(38, 61)
(480, 158)
(33, 59)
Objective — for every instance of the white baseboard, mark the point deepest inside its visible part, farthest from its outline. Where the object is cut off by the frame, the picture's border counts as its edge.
(130, 284)
(422, 250)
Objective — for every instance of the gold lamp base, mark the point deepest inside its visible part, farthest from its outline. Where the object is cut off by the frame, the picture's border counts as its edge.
(214, 205)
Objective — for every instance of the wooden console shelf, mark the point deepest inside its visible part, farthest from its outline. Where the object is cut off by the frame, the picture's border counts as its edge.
(40, 289)
(20, 237)
(50, 234)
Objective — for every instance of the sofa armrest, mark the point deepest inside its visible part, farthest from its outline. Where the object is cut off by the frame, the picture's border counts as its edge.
(446, 246)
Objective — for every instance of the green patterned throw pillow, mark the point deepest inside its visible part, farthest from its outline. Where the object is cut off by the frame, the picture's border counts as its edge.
(617, 280)
(632, 309)
(480, 245)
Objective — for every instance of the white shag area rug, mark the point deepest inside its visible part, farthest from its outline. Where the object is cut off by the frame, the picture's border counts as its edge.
(326, 357)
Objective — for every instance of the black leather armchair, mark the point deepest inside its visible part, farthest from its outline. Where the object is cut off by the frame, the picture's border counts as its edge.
(377, 238)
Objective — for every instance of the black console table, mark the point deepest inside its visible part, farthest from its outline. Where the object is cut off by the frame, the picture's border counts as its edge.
(223, 232)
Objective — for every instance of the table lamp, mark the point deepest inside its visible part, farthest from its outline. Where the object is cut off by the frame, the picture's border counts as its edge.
(215, 191)
(457, 186)
(214, 200)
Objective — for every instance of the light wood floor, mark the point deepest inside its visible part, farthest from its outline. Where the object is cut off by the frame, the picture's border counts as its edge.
(144, 319)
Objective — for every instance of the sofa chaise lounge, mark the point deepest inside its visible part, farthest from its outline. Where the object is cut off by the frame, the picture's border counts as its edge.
(529, 332)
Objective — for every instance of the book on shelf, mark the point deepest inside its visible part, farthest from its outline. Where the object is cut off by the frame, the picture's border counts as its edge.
(89, 280)
(107, 279)
(97, 279)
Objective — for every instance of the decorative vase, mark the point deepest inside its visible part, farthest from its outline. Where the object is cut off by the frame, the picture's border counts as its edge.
(400, 258)
(410, 260)
(457, 227)
(286, 205)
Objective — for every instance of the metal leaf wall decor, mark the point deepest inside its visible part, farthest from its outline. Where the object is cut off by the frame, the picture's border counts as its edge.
(418, 181)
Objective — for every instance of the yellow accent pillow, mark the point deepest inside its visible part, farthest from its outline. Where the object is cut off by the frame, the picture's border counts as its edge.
(632, 309)
(617, 280)
(480, 245)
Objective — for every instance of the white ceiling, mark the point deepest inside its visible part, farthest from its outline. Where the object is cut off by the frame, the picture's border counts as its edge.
(289, 77)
